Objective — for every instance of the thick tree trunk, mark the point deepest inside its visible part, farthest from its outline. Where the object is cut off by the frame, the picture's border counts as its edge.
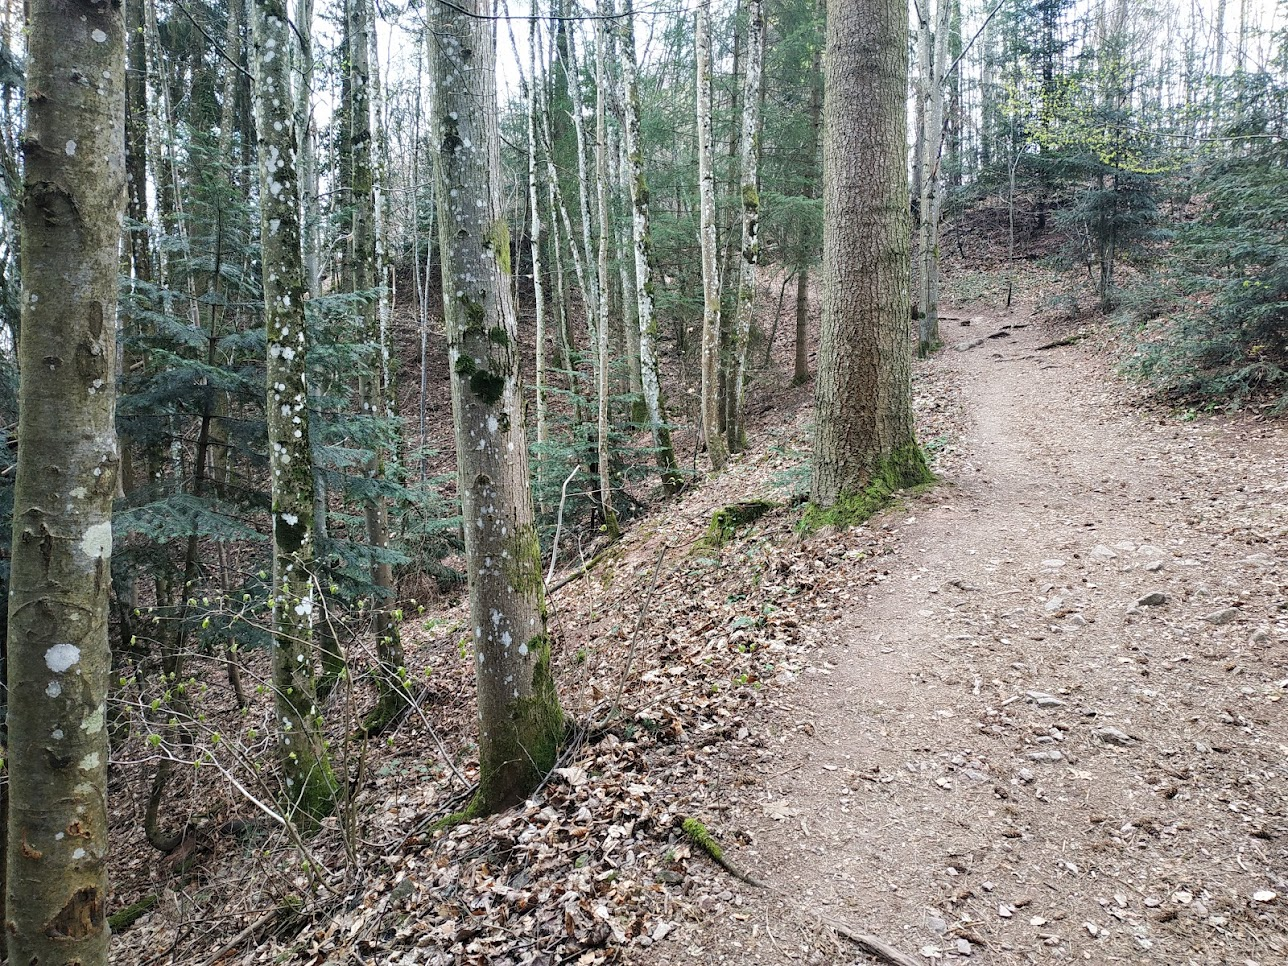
(310, 784)
(711, 421)
(520, 722)
(643, 247)
(58, 660)
(864, 426)
(749, 192)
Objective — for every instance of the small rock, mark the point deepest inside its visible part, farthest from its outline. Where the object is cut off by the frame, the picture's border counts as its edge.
(1265, 895)
(1026, 775)
(1054, 604)
(964, 947)
(1103, 552)
(1257, 560)
(1154, 598)
(1092, 928)
(1045, 756)
(1112, 736)
(1044, 700)
(1223, 616)
(1260, 636)
(1076, 620)
(1005, 911)
(1154, 566)
(1053, 563)
(936, 924)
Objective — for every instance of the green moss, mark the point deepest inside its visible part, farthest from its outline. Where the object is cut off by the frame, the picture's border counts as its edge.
(475, 315)
(902, 470)
(697, 833)
(523, 566)
(498, 335)
(465, 365)
(750, 198)
(726, 521)
(125, 918)
(525, 748)
(641, 193)
(488, 386)
(498, 239)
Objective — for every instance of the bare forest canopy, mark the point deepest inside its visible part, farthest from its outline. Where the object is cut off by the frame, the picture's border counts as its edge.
(423, 303)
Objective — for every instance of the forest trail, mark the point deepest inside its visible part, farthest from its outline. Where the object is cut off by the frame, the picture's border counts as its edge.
(1002, 752)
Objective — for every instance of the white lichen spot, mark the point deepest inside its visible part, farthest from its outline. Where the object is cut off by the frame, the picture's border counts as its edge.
(60, 657)
(507, 640)
(492, 425)
(97, 542)
(90, 761)
(70, 148)
(93, 722)
(304, 608)
(99, 36)
(78, 854)
(523, 650)
(57, 734)
(290, 518)
(53, 689)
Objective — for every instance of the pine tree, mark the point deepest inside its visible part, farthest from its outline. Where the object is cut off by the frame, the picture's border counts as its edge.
(864, 443)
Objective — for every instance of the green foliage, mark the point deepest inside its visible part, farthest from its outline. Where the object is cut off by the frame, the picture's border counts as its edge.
(900, 471)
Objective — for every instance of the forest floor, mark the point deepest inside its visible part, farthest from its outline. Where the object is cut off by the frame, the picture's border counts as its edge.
(1052, 727)
(1033, 714)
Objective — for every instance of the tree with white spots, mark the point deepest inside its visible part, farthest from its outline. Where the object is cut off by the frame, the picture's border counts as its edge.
(58, 654)
(310, 783)
(520, 721)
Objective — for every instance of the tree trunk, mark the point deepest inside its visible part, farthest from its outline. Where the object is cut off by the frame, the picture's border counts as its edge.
(534, 247)
(643, 246)
(520, 721)
(932, 144)
(749, 261)
(711, 421)
(604, 458)
(58, 659)
(864, 426)
(310, 784)
(364, 277)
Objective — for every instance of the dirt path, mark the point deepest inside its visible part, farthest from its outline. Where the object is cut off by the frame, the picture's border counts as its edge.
(998, 755)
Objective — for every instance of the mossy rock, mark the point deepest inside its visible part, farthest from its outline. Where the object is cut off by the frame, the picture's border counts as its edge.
(726, 521)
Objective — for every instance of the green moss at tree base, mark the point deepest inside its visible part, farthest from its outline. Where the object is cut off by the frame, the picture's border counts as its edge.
(523, 753)
(123, 919)
(904, 469)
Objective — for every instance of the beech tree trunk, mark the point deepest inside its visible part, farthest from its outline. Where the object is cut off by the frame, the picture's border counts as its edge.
(716, 451)
(935, 63)
(520, 721)
(643, 247)
(372, 383)
(310, 784)
(749, 262)
(58, 660)
(864, 426)
(603, 187)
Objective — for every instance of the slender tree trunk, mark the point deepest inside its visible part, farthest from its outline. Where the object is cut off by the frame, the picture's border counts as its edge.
(864, 425)
(800, 373)
(716, 451)
(534, 247)
(520, 722)
(365, 277)
(932, 143)
(605, 230)
(749, 191)
(643, 248)
(58, 657)
(310, 784)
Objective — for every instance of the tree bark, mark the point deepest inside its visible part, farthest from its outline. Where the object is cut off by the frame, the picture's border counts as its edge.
(520, 721)
(58, 660)
(864, 425)
(603, 187)
(749, 193)
(716, 451)
(643, 247)
(310, 784)
(372, 383)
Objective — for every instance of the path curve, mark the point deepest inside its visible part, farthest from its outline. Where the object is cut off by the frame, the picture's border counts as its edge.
(999, 756)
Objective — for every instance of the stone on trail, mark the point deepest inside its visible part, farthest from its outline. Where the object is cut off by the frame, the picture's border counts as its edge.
(1222, 616)
(1154, 598)
(1044, 700)
(1045, 756)
(1112, 736)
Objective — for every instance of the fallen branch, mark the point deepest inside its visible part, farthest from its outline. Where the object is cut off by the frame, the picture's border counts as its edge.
(1067, 340)
(870, 944)
(253, 932)
(697, 833)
